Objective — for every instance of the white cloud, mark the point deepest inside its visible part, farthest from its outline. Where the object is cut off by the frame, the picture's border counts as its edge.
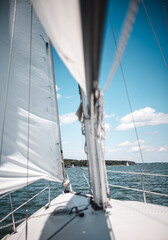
(109, 116)
(127, 143)
(153, 133)
(145, 148)
(129, 147)
(163, 149)
(107, 127)
(143, 117)
(57, 88)
(112, 150)
(124, 144)
(58, 94)
(130, 151)
(68, 97)
(134, 147)
(68, 118)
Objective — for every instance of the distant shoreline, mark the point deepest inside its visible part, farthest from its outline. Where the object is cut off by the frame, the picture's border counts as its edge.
(84, 163)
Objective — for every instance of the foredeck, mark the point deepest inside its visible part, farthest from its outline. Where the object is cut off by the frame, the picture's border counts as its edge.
(71, 217)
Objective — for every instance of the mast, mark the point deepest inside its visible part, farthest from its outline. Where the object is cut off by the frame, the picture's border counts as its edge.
(94, 152)
(93, 16)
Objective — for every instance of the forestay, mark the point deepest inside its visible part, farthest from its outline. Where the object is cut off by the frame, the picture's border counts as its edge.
(29, 136)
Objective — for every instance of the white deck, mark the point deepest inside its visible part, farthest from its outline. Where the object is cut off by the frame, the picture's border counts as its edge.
(124, 220)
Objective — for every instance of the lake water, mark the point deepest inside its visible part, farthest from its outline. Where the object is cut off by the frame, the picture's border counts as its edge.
(156, 184)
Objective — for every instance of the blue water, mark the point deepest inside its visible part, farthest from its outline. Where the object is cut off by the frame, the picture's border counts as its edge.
(156, 184)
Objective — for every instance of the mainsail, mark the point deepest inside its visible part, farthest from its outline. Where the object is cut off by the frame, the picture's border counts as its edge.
(29, 134)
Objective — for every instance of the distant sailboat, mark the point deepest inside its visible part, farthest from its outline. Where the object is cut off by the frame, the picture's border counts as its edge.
(30, 147)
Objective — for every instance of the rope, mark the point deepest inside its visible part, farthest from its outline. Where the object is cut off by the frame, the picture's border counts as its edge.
(28, 129)
(8, 76)
(164, 9)
(127, 28)
(155, 34)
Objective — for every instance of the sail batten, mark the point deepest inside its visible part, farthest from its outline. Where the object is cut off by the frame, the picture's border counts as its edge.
(45, 157)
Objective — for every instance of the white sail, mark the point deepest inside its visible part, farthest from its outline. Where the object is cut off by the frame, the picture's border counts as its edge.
(29, 134)
(62, 22)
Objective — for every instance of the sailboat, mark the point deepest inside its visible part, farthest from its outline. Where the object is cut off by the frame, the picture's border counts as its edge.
(30, 140)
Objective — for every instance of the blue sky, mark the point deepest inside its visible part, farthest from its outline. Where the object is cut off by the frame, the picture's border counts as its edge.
(147, 81)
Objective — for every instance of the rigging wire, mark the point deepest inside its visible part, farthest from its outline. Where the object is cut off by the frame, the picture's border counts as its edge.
(165, 14)
(28, 122)
(154, 34)
(130, 106)
(127, 28)
(8, 76)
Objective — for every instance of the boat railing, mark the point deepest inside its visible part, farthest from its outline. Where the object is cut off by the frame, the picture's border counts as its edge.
(11, 213)
(142, 174)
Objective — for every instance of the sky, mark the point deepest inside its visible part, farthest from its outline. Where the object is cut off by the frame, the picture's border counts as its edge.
(146, 77)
